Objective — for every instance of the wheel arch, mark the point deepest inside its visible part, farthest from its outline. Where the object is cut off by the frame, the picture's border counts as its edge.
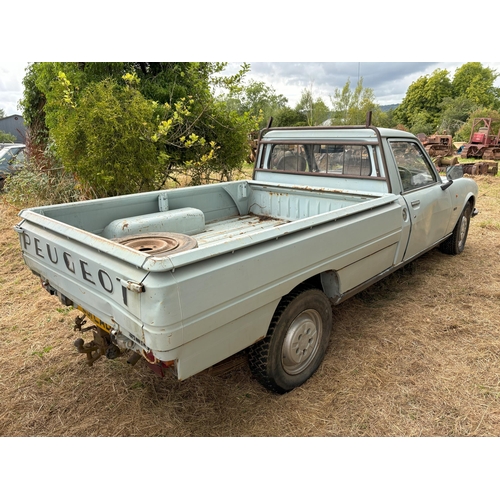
(296, 341)
(327, 281)
(471, 200)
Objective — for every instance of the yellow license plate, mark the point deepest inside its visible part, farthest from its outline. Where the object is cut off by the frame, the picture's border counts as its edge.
(95, 320)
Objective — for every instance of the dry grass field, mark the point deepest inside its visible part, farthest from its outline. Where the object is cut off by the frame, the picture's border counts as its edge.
(417, 354)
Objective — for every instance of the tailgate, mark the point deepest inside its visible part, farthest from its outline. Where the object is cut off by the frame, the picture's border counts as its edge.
(102, 284)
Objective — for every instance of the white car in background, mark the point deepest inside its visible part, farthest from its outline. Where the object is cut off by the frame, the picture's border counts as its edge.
(11, 160)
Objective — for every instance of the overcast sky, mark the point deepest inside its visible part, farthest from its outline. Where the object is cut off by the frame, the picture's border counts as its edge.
(389, 80)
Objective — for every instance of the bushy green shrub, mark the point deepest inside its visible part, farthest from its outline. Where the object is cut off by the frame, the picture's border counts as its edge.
(132, 127)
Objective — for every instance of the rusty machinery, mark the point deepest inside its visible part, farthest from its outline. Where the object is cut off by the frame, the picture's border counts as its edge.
(482, 144)
(437, 145)
(481, 167)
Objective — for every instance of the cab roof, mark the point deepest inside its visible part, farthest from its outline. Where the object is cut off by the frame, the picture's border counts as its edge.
(331, 133)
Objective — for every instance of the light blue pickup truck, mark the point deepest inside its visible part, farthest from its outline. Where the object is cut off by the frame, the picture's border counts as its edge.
(187, 277)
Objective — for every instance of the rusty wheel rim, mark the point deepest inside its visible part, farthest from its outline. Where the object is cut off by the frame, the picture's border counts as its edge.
(152, 245)
(159, 244)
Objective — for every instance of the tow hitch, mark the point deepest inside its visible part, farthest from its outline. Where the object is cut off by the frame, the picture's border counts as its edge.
(103, 345)
(100, 346)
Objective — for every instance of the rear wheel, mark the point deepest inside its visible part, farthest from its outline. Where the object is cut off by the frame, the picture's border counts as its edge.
(296, 341)
(455, 244)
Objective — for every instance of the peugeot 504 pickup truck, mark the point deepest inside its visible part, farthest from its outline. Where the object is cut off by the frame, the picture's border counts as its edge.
(188, 277)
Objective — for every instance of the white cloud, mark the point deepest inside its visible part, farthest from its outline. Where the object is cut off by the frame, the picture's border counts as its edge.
(11, 86)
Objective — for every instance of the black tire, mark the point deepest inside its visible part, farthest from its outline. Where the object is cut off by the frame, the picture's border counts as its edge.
(295, 343)
(455, 244)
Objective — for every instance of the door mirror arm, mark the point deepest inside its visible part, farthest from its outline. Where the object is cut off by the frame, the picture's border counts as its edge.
(444, 187)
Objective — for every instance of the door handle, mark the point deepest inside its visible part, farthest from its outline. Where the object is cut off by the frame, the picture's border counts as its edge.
(415, 203)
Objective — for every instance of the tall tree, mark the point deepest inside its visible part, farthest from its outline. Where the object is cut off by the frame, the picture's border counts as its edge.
(475, 82)
(257, 99)
(288, 117)
(454, 113)
(350, 106)
(385, 119)
(313, 108)
(422, 101)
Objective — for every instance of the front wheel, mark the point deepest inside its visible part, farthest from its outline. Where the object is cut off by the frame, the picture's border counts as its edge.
(295, 343)
(455, 244)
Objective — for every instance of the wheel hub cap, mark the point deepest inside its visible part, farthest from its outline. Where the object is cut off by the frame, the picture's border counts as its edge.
(301, 341)
(463, 229)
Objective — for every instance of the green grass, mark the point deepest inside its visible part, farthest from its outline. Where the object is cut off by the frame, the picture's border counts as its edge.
(42, 352)
(489, 224)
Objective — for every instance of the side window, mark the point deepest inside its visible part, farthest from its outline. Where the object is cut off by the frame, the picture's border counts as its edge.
(413, 167)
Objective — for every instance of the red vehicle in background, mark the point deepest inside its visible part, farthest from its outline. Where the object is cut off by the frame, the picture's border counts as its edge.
(482, 144)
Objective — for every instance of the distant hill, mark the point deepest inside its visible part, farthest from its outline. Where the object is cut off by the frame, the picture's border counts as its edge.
(388, 107)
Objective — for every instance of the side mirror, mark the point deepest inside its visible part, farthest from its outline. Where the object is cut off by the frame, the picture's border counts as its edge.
(454, 172)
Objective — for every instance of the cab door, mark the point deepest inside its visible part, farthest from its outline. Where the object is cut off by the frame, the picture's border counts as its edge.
(429, 207)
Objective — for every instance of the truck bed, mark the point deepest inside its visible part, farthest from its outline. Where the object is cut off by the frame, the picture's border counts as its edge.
(256, 241)
(221, 217)
(227, 229)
